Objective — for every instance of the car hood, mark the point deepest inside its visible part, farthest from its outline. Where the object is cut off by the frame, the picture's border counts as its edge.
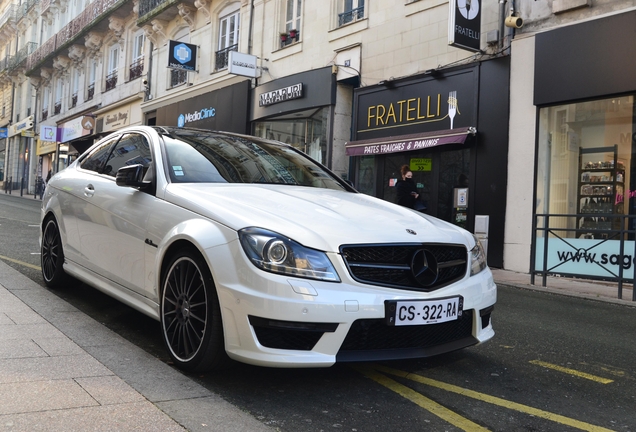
(318, 218)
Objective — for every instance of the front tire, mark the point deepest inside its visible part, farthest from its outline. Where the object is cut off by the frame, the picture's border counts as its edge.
(191, 322)
(52, 255)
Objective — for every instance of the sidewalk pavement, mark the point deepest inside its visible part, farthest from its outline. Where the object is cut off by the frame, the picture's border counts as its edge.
(61, 370)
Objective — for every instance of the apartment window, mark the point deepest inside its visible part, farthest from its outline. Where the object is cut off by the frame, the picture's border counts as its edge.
(113, 63)
(179, 77)
(292, 22)
(45, 103)
(228, 39)
(59, 87)
(353, 10)
(75, 88)
(92, 73)
(137, 59)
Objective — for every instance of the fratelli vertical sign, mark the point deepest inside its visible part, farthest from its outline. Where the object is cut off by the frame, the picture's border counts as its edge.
(464, 24)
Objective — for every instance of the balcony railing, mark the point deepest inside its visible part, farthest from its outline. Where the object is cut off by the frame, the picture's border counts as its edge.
(74, 100)
(45, 114)
(350, 16)
(21, 56)
(95, 11)
(57, 108)
(5, 63)
(178, 77)
(147, 6)
(9, 15)
(111, 81)
(45, 6)
(90, 91)
(222, 57)
(136, 69)
(25, 7)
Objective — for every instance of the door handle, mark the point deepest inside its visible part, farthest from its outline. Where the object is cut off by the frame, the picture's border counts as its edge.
(89, 190)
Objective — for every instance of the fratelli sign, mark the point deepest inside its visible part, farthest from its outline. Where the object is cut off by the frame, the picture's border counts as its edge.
(416, 105)
(182, 56)
(464, 24)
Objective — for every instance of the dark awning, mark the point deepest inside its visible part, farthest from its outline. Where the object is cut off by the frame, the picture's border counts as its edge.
(402, 143)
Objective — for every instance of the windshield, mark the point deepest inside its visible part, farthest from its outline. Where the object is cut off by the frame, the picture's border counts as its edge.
(197, 156)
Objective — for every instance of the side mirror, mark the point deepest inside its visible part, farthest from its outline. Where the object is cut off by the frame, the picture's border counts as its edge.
(131, 176)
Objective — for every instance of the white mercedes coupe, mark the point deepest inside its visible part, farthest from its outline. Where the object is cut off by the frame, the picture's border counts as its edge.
(247, 249)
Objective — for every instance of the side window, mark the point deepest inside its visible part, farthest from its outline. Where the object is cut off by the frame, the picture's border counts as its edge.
(96, 158)
(130, 150)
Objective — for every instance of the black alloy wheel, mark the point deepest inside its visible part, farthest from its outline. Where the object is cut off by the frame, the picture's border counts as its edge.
(190, 314)
(52, 255)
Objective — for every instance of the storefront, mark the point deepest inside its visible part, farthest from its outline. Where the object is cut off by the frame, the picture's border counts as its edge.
(74, 137)
(120, 115)
(45, 151)
(449, 128)
(224, 109)
(585, 149)
(20, 152)
(298, 110)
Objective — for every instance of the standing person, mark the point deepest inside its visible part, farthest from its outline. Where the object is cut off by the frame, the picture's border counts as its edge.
(407, 193)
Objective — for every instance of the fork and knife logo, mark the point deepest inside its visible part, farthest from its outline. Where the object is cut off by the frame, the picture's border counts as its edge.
(468, 8)
(453, 108)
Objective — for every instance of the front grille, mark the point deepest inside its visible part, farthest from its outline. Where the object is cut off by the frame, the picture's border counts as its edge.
(392, 265)
(378, 339)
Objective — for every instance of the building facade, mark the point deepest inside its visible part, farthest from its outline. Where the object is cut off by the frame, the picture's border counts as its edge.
(322, 72)
(570, 205)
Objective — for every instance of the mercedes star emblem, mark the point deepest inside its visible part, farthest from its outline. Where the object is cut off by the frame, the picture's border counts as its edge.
(424, 267)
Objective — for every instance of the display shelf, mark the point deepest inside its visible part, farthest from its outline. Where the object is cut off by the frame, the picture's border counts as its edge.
(600, 183)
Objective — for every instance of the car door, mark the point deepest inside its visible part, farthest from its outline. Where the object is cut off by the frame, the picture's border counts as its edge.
(72, 196)
(113, 232)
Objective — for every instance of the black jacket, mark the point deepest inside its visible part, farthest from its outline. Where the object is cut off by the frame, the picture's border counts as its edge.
(404, 189)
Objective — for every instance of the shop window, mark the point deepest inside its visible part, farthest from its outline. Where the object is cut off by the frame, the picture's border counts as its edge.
(306, 131)
(585, 181)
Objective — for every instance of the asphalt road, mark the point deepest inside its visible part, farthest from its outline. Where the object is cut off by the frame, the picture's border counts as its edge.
(556, 364)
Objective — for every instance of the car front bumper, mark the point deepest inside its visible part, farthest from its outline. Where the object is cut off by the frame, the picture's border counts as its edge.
(280, 321)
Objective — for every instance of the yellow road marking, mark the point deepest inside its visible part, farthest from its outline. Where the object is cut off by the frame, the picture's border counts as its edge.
(493, 400)
(572, 372)
(22, 263)
(421, 400)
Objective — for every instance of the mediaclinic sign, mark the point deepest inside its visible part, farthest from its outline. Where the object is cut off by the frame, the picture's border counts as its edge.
(464, 24)
(182, 56)
(280, 95)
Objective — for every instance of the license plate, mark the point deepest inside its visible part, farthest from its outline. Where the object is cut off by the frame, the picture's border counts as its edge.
(423, 312)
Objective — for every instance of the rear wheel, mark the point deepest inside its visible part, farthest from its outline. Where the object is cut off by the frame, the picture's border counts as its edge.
(52, 255)
(190, 314)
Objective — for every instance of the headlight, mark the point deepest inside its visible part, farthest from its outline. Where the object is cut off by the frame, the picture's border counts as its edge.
(277, 254)
(477, 258)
